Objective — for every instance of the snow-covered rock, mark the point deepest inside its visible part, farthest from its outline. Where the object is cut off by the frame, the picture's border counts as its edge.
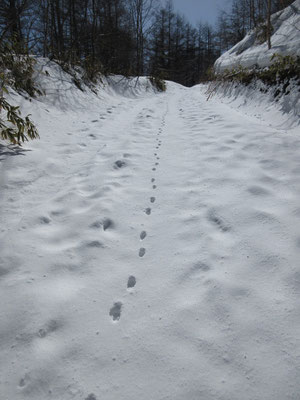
(250, 52)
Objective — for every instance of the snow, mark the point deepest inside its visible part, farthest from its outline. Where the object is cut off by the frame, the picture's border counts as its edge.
(258, 100)
(250, 53)
(149, 249)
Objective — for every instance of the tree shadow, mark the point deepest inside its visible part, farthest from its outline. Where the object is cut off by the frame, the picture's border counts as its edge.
(11, 151)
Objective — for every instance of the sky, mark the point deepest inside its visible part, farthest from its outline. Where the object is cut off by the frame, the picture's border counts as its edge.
(201, 10)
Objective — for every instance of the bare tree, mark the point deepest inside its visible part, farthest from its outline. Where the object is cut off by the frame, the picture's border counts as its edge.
(141, 14)
(269, 26)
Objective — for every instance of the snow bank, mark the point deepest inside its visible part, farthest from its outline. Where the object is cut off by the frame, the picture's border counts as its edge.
(62, 89)
(249, 52)
(260, 101)
(129, 87)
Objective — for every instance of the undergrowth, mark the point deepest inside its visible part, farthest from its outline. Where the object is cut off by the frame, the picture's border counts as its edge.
(13, 127)
(16, 71)
(282, 70)
(158, 83)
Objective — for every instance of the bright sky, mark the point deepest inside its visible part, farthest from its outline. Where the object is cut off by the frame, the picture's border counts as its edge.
(201, 10)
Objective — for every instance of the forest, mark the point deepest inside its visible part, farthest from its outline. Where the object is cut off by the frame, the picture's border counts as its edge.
(131, 38)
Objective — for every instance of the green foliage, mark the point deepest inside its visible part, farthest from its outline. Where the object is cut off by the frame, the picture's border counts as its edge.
(13, 127)
(158, 83)
(16, 71)
(282, 70)
(209, 75)
(17, 66)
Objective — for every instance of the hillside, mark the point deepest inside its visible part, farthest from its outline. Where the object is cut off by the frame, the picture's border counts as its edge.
(251, 52)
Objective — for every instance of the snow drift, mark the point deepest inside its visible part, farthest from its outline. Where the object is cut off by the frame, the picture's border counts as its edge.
(68, 90)
(261, 102)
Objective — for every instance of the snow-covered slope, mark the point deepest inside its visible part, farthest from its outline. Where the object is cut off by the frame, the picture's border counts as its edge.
(60, 90)
(259, 101)
(285, 40)
(149, 250)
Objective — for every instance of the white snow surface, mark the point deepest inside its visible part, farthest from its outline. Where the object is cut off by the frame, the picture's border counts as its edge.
(249, 52)
(149, 249)
(259, 100)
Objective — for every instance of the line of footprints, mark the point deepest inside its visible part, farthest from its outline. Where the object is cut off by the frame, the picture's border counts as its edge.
(116, 309)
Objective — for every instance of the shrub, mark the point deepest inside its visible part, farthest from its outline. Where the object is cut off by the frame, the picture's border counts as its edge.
(158, 83)
(280, 72)
(18, 67)
(15, 71)
(92, 71)
(14, 127)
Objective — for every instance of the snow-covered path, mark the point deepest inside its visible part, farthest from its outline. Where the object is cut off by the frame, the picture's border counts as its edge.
(150, 250)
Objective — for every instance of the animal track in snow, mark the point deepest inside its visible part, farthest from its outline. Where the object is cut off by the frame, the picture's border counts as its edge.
(106, 223)
(258, 191)
(153, 180)
(119, 164)
(115, 311)
(94, 244)
(131, 282)
(96, 224)
(148, 211)
(153, 169)
(24, 381)
(157, 163)
(152, 199)
(4, 271)
(45, 220)
(154, 187)
(217, 220)
(58, 213)
(91, 396)
(200, 266)
(143, 234)
(51, 326)
(142, 252)
(196, 271)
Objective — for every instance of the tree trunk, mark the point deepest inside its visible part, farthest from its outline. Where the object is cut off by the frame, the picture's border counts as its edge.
(269, 27)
